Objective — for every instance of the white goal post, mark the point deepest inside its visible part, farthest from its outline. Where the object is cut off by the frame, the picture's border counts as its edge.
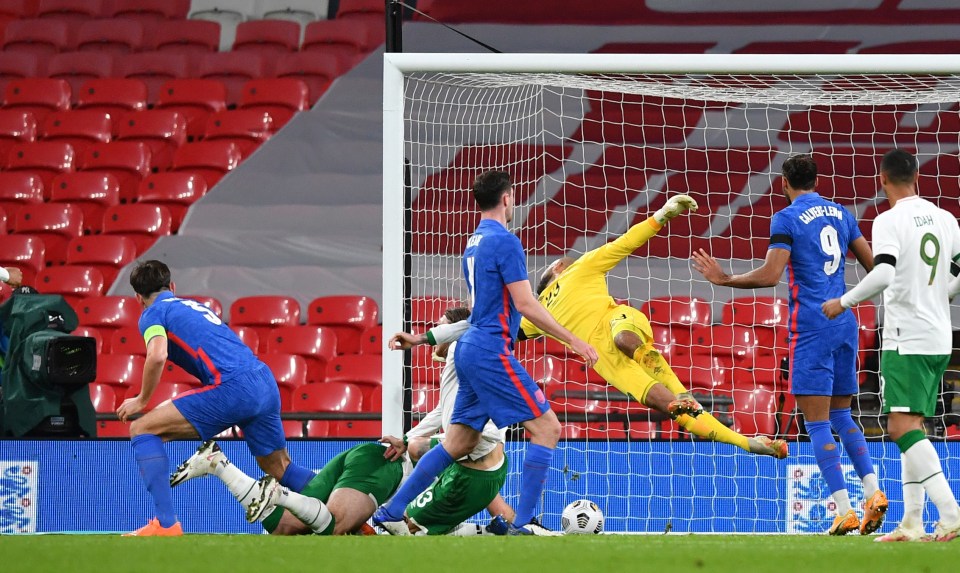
(595, 142)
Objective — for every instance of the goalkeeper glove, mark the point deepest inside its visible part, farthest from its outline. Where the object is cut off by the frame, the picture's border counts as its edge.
(674, 206)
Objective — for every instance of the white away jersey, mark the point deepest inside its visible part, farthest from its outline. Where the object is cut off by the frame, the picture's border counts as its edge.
(439, 418)
(924, 240)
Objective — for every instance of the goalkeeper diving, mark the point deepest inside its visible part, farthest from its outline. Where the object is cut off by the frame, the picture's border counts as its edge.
(575, 292)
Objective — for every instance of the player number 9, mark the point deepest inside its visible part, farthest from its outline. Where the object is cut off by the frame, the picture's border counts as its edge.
(930, 259)
(830, 245)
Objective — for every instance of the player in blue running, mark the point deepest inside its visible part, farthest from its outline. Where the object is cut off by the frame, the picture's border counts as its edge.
(238, 390)
(810, 238)
(493, 384)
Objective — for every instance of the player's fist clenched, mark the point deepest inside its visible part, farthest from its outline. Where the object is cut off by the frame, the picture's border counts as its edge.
(675, 206)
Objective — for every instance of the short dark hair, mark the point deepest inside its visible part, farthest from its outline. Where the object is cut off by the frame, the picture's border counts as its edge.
(149, 277)
(545, 279)
(457, 313)
(900, 166)
(800, 172)
(489, 187)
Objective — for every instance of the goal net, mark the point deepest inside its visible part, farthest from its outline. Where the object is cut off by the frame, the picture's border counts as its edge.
(594, 148)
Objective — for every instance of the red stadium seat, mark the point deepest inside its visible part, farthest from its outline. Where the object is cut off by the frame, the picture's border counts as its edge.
(290, 372)
(16, 126)
(78, 128)
(347, 40)
(300, 11)
(117, 36)
(74, 283)
(293, 428)
(665, 340)
(106, 253)
(426, 311)
(19, 188)
(755, 412)
(15, 9)
(127, 340)
(318, 429)
(207, 301)
(327, 397)
(701, 373)
(245, 128)
(195, 100)
(761, 311)
(154, 69)
(249, 335)
(55, 223)
(70, 9)
(209, 159)
(173, 374)
(37, 37)
(371, 341)
(269, 38)
(315, 69)
(264, 313)
(356, 429)
(108, 313)
(424, 399)
(45, 159)
(162, 393)
(233, 69)
(39, 96)
(348, 315)
(93, 193)
(26, 252)
(114, 96)
(162, 130)
(361, 9)
(18, 65)
(681, 313)
(189, 37)
(228, 13)
(142, 223)
(175, 191)
(124, 370)
(362, 370)
(112, 429)
(151, 10)
(316, 344)
(280, 97)
(127, 161)
(104, 398)
(77, 68)
(91, 332)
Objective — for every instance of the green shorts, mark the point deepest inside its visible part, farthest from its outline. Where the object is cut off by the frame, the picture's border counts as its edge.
(910, 383)
(362, 468)
(457, 494)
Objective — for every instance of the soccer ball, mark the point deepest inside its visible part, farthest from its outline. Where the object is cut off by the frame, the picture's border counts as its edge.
(582, 517)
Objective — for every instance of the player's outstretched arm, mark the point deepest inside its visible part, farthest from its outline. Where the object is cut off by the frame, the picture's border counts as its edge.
(531, 308)
(675, 206)
(437, 335)
(874, 283)
(767, 275)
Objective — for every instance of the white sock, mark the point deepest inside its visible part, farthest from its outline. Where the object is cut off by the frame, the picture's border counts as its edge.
(311, 511)
(466, 529)
(925, 464)
(913, 497)
(842, 499)
(870, 485)
(240, 484)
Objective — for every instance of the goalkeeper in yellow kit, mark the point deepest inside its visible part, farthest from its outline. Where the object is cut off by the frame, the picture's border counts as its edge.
(575, 292)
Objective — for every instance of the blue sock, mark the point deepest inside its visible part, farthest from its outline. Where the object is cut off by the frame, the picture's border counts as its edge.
(155, 470)
(821, 438)
(296, 477)
(428, 468)
(536, 462)
(853, 441)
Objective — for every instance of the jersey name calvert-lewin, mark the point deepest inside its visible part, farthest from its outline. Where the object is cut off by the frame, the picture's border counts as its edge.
(820, 211)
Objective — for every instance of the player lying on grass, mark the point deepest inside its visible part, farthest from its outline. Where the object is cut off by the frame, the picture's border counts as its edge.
(575, 293)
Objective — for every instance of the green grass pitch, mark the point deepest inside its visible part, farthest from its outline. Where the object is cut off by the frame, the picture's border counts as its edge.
(586, 554)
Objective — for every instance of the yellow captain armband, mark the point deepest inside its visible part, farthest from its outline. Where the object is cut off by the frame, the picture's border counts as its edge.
(155, 330)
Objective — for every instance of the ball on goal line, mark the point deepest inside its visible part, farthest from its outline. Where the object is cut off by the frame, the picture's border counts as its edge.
(582, 517)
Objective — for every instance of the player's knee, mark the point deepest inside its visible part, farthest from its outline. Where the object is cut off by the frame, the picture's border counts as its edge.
(627, 342)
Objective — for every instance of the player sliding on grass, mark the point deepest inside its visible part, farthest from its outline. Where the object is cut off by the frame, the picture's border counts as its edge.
(575, 293)
(915, 243)
(813, 235)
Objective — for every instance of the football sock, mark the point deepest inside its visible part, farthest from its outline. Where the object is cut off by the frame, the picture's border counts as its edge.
(240, 485)
(925, 465)
(913, 497)
(828, 459)
(296, 477)
(708, 427)
(311, 511)
(428, 468)
(856, 447)
(536, 462)
(155, 470)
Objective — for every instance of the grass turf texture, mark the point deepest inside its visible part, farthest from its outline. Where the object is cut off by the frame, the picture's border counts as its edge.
(687, 553)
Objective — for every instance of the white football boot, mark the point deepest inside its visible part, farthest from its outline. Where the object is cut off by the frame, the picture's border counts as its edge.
(201, 463)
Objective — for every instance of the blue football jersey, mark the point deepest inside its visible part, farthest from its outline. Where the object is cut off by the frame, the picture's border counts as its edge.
(197, 340)
(818, 233)
(493, 259)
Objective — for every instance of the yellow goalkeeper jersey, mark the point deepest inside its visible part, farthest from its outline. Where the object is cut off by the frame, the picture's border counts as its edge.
(578, 299)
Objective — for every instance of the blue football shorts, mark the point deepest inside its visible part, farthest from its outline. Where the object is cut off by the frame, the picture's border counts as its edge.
(824, 362)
